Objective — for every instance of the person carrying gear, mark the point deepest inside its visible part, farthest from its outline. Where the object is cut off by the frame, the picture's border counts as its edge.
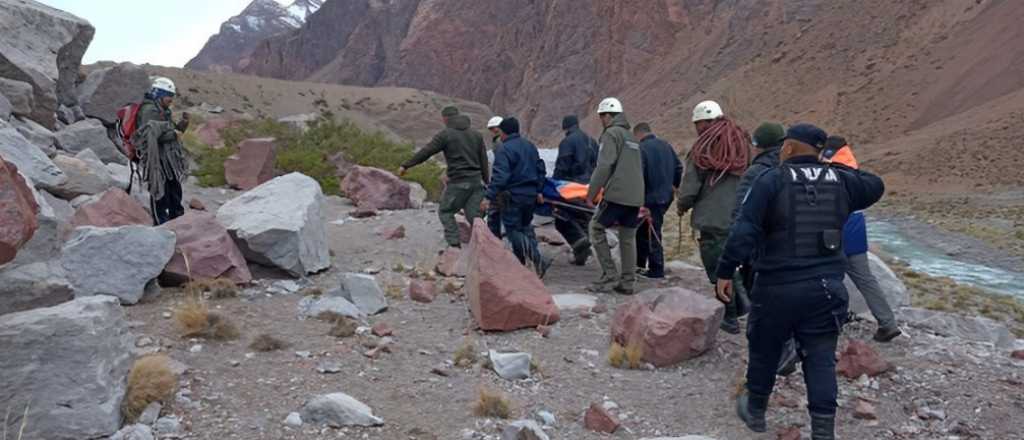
(577, 156)
(519, 175)
(468, 171)
(493, 216)
(713, 169)
(793, 217)
(161, 155)
(618, 181)
(662, 174)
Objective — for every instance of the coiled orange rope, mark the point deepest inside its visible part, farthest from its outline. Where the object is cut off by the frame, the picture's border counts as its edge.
(724, 147)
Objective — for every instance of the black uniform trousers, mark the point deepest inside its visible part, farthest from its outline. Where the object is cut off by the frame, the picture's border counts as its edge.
(650, 254)
(169, 206)
(813, 312)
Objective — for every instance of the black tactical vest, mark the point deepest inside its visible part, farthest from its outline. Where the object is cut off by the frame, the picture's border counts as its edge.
(810, 211)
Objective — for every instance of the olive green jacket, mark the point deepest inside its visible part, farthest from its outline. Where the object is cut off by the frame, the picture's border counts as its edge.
(620, 171)
(712, 205)
(464, 151)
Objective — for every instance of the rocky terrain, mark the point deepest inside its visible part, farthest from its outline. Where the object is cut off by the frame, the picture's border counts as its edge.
(273, 311)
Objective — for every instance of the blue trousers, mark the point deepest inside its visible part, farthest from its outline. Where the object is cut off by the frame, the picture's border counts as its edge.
(813, 312)
(517, 218)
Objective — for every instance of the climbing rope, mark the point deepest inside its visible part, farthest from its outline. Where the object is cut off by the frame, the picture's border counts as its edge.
(724, 147)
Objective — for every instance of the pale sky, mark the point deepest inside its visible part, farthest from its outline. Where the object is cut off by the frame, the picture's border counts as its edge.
(166, 33)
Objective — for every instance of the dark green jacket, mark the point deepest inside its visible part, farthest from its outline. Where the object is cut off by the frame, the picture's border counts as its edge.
(150, 111)
(620, 170)
(463, 149)
(712, 205)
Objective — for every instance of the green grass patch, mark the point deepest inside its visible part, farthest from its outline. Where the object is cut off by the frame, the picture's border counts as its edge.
(946, 295)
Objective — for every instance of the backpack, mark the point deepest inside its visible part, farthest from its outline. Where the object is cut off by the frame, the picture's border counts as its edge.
(127, 117)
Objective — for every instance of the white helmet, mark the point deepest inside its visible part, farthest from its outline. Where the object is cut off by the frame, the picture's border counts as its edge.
(494, 122)
(707, 111)
(165, 84)
(609, 105)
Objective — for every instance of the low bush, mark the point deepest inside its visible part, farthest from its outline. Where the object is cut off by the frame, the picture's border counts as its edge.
(265, 343)
(150, 380)
(492, 404)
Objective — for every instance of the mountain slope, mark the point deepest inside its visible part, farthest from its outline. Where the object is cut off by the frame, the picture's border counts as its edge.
(229, 49)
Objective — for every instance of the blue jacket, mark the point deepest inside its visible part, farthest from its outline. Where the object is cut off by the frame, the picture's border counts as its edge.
(662, 171)
(855, 235)
(751, 228)
(577, 156)
(518, 169)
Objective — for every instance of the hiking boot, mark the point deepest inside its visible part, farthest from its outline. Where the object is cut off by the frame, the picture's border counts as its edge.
(624, 290)
(751, 408)
(604, 285)
(580, 257)
(730, 325)
(790, 358)
(651, 275)
(887, 334)
(823, 427)
(542, 266)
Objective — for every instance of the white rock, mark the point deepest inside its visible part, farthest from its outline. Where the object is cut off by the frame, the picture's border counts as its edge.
(547, 418)
(168, 426)
(293, 419)
(68, 365)
(511, 366)
(150, 414)
(363, 291)
(338, 410)
(30, 160)
(198, 348)
(574, 302)
(92, 135)
(523, 430)
(280, 224)
(116, 261)
(310, 307)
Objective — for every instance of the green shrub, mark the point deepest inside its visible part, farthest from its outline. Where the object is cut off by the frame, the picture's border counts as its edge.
(209, 160)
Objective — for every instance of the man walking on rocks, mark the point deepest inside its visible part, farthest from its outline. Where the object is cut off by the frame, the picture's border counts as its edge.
(515, 188)
(793, 218)
(468, 171)
(493, 216)
(662, 174)
(161, 155)
(577, 156)
(618, 186)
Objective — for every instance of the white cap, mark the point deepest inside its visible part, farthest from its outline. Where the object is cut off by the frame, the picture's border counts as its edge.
(707, 111)
(495, 122)
(164, 84)
(609, 105)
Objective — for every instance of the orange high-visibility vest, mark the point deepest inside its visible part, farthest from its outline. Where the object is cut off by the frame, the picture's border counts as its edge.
(845, 157)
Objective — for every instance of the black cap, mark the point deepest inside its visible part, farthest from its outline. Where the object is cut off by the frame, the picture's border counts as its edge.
(570, 122)
(450, 111)
(509, 126)
(835, 142)
(808, 134)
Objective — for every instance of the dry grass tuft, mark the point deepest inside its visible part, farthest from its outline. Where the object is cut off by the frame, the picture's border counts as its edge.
(634, 354)
(315, 292)
(343, 328)
(217, 288)
(150, 380)
(395, 292)
(219, 328)
(195, 320)
(466, 355)
(492, 404)
(265, 343)
(630, 357)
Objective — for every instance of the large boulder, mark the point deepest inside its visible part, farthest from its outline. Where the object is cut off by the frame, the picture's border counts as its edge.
(43, 46)
(280, 224)
(53, 228)
(210, 250)
(670, 325)
(124, 178)
(252, 165)
(338, 410)
(895, 291)
(85, 175)
(374, 188)
(116, 261)
(209, 132)
(363, 291)
(18, 210)
(106, 90)
(36, 134)
(112, 209)
(503, 294)
(33, 285)
(66, 364)
(5, 108)
(32, 161)
(92, 135)
(19, 94)
(968, 328)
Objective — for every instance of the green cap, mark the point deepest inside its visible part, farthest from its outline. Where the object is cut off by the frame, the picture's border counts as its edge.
(769, 135)
(450, 111)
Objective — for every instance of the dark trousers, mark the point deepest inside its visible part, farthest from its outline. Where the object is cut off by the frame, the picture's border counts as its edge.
(169, 206)
(573, 226)
(712, 245)
(517, 217)
(813, 313)
(494, 220)
(649, 251)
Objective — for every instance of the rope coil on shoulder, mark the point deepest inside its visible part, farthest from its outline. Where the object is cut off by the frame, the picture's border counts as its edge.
(724, 148)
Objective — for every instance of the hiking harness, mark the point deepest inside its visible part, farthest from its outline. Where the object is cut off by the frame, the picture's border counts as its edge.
(724, 147)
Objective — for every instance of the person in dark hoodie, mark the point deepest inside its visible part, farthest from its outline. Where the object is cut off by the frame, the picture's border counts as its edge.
(577, 156)
(161, 155)
(493, 216)
(793, 217)
(515, 187)
(662, 174)
(468, 171)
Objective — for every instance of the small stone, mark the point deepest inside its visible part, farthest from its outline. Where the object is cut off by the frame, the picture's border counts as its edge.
(546, 417)
(328, 367)
(234, 363)
(392, 233)
(926, 413)
(196, 205)
(293, 419)
(338, 410)
(150, 415)
(382, 329)
(523, 430)
(144, 341)
(304, 354)
(865, 411)
(168, 426)
(511, 366)
(860, 359)
(423, 291)
(364, 213)
(167, 315)
(196, 348)
(599, 309)
(1018, 354)
(608, 405)
(598, 419)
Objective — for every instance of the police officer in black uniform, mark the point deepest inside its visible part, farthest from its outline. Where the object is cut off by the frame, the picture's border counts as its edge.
(793, 217)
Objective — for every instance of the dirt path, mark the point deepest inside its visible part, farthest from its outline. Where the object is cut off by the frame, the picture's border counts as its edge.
(247, 396)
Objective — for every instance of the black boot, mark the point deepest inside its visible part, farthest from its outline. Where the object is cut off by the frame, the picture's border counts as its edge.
(823, 427)
(751, 408)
